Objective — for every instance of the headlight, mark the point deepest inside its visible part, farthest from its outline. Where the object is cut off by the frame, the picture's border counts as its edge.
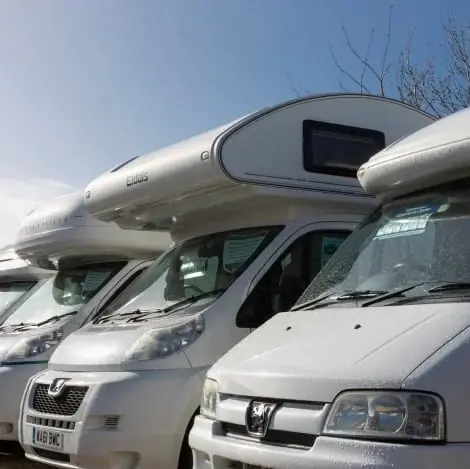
(209, 398)
(33, 346)
(387, 415)
(159, 343)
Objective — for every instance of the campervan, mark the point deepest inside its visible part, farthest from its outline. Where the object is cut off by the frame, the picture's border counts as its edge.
(369, 369)
(92, 263)
(255, 209)
(18, 280)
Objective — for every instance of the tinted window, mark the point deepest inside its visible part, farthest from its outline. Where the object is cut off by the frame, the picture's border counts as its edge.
(11, 292)
(337, 149)
(67, 291)
(418, 238)
(199, 265)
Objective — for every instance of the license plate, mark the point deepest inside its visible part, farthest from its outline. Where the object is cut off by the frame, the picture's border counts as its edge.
(50, 439)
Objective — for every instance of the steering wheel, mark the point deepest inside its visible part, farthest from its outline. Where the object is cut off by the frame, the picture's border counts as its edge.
(196, 289)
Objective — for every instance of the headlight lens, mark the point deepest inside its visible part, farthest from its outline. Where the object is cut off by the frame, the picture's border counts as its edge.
(33, 346)
(387, 415)
(209, 398)
(159, 343)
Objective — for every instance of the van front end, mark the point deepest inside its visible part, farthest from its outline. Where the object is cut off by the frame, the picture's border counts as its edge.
(22, 355)
(391, 395)
(369, 368)
(114, 419)
(115, 396)
(13, 380)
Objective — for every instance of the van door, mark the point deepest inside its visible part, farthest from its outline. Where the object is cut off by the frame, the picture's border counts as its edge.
(289, 275)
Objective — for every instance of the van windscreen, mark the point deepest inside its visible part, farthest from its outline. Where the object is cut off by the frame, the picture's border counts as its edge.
(420, 238)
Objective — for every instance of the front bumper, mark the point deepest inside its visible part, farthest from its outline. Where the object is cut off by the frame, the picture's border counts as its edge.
(124, 420)
(13, 380)
(214, 449)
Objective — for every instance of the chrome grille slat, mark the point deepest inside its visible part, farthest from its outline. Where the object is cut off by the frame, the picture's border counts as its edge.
(67, 403)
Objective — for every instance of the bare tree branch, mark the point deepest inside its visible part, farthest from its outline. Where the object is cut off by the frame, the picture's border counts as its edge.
(438, 85)
(380, 74)
(357, 82)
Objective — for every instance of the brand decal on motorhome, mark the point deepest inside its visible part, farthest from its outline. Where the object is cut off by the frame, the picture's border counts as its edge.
(137, 179)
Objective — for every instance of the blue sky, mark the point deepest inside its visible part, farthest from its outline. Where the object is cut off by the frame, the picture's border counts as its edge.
(87, 84)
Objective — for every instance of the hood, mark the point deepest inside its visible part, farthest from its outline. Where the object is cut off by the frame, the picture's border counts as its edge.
(314, 355)
(103, 347)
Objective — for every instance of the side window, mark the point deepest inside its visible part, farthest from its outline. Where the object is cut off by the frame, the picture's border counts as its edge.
(114, 302)
(289, 276)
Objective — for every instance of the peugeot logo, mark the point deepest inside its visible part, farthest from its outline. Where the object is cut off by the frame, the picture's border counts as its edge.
(258, 418)
(56, 387)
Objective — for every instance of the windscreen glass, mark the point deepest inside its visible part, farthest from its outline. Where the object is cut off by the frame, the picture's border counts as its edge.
(11, 292)
(67, 291)
(418, 238)
(196, 267)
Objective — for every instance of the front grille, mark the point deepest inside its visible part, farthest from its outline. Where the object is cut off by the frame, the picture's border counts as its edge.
(53, 455)
(51, 423)
(67, 403)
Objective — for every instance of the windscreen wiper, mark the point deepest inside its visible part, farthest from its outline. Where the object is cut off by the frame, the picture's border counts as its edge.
(137, 315)
(193, 299)
(442, 287)
(450, 286)
(180, 304)
(132, 313)
(339, 296)
(55, 318)
(16, 327)
(20, 325)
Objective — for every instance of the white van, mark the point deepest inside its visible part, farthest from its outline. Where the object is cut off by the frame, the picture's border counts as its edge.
(92, 263)
(18, 280)
(370, 367)
(255, 208)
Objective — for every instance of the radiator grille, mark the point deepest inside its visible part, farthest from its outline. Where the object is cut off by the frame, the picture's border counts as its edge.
(67, 403)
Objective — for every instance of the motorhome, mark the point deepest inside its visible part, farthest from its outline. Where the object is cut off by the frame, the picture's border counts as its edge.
(255, 209)
(92, 263)
(18, 280)
(370, 367)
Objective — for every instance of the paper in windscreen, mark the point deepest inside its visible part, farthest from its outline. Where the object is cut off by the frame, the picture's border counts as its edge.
(94, 280)
(238, 248)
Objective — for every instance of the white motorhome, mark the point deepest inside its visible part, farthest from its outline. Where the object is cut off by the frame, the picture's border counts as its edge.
(18, 280)
(370, 367)
(92, 263)
(255, 209)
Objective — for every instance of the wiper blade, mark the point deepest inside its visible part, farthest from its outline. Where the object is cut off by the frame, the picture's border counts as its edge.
(450, 286)
(18, 326)
(358, 294)
(339, 296)
(55, 318)
(193, 299)
(140, 314)
(444, 286)
(134, 312)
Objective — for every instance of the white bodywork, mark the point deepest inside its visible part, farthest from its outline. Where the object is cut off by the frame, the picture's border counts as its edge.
(139, 375)
(395, 366)
(63, 238)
